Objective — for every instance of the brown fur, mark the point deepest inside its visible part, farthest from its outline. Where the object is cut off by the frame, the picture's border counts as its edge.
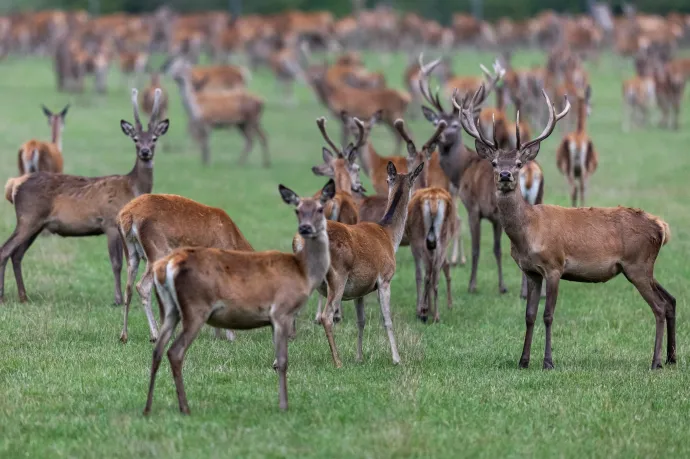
(49, 157)
(153, 225)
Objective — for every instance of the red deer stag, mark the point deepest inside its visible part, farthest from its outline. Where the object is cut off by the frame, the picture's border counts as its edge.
(550, 243)
(74, 206)
(39, 156)
(245, 291)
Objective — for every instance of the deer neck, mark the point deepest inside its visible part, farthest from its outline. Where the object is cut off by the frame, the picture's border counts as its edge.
(513, 213)
(500, 99)
(56, 132)
(315, 258)
(342, 180)
(581, 114)
(368, 156)
(189, 100)
(395, 217)
(454, 159)
(141, 177)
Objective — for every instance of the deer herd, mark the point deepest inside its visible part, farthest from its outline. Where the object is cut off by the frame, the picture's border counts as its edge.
(203, 270)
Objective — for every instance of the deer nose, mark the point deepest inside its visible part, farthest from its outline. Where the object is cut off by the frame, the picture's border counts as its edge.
(505, 176)
(145, 151)
(305, 230)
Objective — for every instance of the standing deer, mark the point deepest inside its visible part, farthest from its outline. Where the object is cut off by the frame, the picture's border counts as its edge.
(74, 206)
(153, 225)
(240, 290)
(36, 155)
(576, 157)
(470, 178)
(550, 243)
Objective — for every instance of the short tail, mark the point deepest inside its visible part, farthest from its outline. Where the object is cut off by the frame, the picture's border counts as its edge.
(165, 274)
(664, 228)
(12, 186)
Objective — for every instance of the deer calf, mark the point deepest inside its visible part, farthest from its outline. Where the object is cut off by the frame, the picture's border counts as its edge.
(36, 155)
(240, 290)
(550, 243)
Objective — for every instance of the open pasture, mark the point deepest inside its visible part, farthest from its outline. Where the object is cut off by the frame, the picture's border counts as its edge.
(69, 388)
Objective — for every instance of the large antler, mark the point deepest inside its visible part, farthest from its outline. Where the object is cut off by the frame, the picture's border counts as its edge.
(550, 125)
(157, 94)
(321, 123)
(135, 104)
(468, 119)
(424, 82)
(361, 140)
(400, 127)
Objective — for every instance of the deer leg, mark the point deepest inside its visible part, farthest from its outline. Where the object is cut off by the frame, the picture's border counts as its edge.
(398, 139)
(115, 252)
(361, 322)
(17, 258)
(475, 234)
(264, 144)
(144, 288)
(670, 322)
(573, 190)
(317, 319)
(643, 281)
(191, 325)
(583, 187)
(418, 274)
(384, 293)
(498, 232)
(523, 289)
(228, 335)
(203, 139)
(248, 142)
(336, 287)
(552, 281)
(281, 328)
(170, 321)
(434, 283)
(457, 243)
(132, 269)
(446, 273)
(19, 237)
(534, 282)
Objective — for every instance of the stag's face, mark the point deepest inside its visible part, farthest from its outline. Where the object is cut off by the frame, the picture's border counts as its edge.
(506, 164)
(452, 133)
(309, 211)
(145, 141)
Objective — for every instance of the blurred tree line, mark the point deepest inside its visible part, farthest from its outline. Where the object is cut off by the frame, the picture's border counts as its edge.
(440, 10)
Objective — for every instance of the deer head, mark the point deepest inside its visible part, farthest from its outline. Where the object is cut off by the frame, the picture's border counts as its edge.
(54, 118)
(339, 160)
(436, 113)
(145, 140)
(310, 216)
(360, 128)
(507, 162)
(416, 157)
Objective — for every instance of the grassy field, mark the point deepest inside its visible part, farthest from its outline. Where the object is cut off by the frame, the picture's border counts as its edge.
(69, 388)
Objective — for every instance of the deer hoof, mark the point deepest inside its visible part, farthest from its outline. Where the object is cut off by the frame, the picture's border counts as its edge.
(657, 366)
(524, 364)
(422, 317)
(123, 338)
(502, 290)
(153, 339)
(671, 361)
(548, 365)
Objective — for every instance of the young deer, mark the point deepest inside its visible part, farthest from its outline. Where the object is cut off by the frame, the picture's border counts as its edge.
(239, 290)
(363, 261)
(470, 177)
(550, 243)
(153, 225)
(39, 156)
(224, 109)
(74, 206)
(429, 228)
(576, 157)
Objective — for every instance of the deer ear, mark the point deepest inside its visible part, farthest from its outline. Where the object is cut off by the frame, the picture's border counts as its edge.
(416, 173)
(327, 155)
(323, 170)
(484, 151)
(430, 115)
(529, 153)
(392, 172)
(161, 128)
(289, 196)
(128, 129)
(63, 113)
(328, 191)
(350, 153)
(46, 112)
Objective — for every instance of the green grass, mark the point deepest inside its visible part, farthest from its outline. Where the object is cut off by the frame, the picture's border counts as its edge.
(68, 388)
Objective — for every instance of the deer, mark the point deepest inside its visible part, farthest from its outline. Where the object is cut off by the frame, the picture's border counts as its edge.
(429, 228)
(215, 110)
(75, 206)
(153, 225)
(220, 77)
(363, 260)
(470, 178)
(550, 243)
(246, 290)
(576, 157)
(36, 155)
(670, 85)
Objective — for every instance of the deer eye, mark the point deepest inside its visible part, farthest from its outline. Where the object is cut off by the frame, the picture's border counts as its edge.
(518, 163)
(135, 138)
(494, 163)
(320, 210)
(154, 138)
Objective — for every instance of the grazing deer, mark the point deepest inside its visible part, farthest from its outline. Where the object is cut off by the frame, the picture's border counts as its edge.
(550, 243)
(576, 157)
(216, 109)
(39, 156)
(153, 225)
(243, 291)
(363, 261)
(470, 178)
(74, 206)
(429, 228)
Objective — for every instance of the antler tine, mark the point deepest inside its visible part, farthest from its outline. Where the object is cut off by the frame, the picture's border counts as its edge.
(400, 127)
(517, 131)
(493, 124)
(440, 127)
(467, 119)
(551, 123)
(321, 123)
(360, 127)
(135, 105)
(156, 107)
(424, 80)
